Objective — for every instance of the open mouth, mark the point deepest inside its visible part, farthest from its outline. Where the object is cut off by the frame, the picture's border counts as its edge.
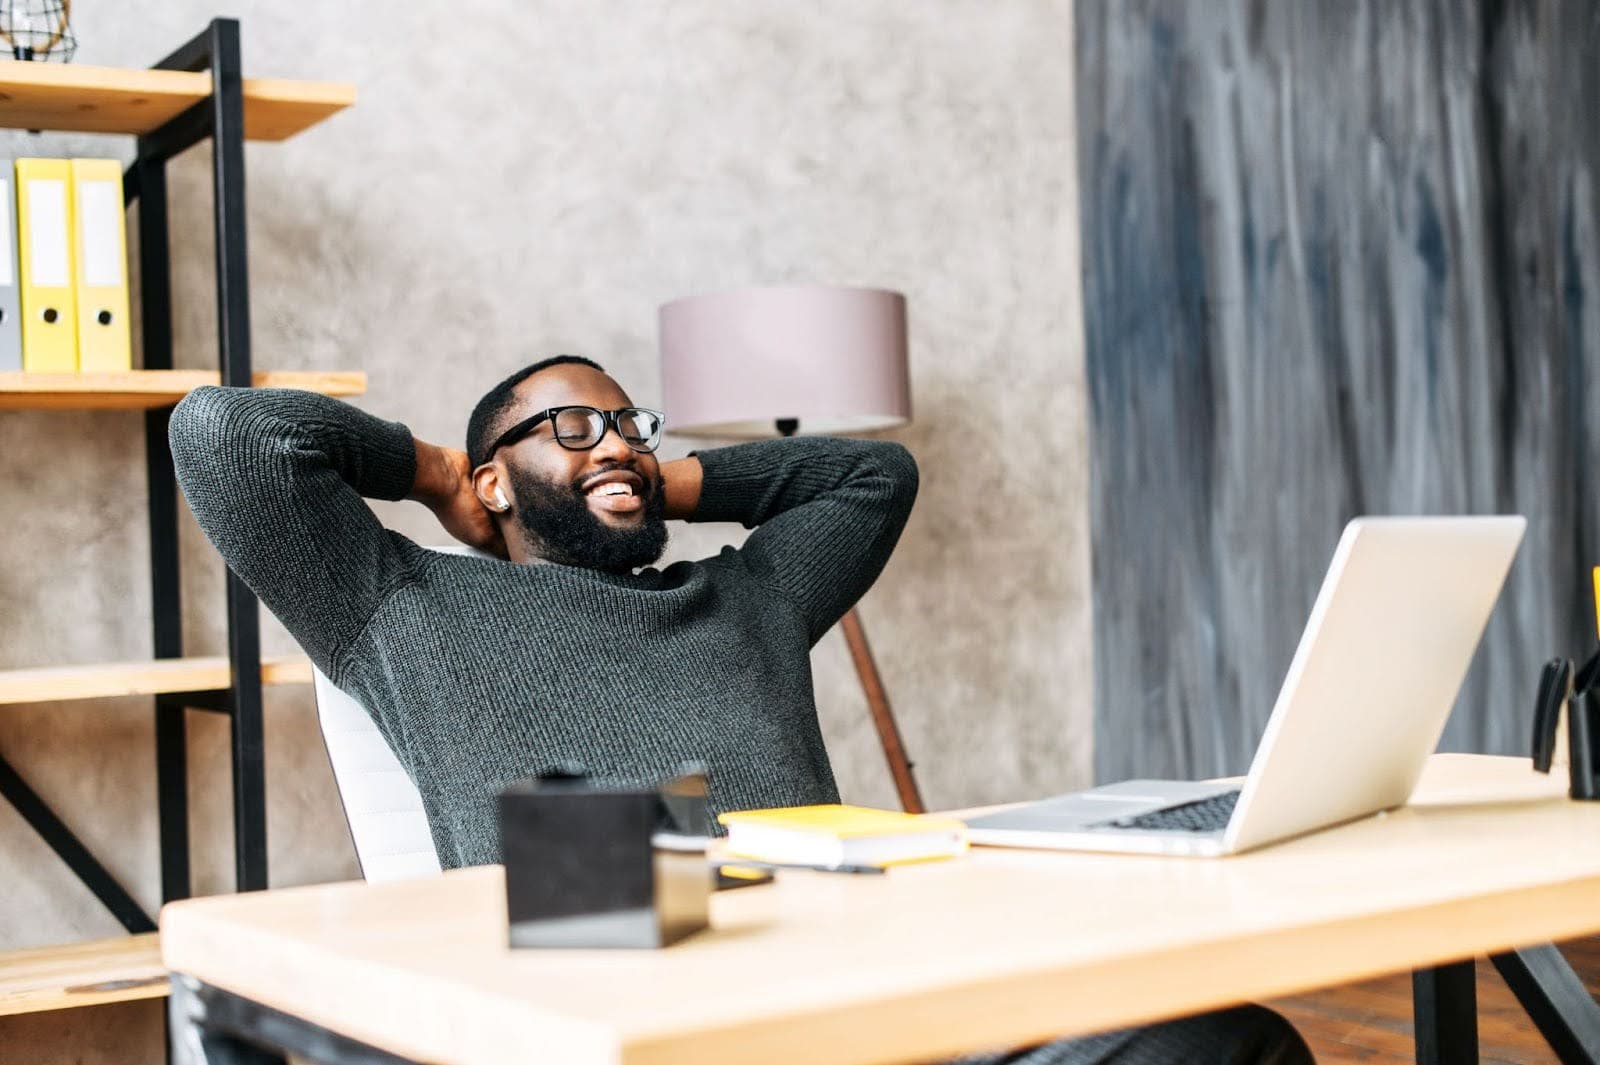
(619, 492)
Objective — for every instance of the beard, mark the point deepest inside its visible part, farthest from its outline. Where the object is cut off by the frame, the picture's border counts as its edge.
(560, 527)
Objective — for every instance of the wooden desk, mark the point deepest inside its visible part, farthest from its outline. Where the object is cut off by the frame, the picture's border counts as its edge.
(998, 949)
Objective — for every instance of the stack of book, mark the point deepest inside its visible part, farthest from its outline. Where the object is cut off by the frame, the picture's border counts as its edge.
(841, 837)
(63, 267)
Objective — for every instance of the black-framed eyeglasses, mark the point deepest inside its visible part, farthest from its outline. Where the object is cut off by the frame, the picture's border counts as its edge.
(579, 428)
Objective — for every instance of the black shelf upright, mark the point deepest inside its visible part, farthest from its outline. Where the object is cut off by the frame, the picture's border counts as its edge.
(220, 117)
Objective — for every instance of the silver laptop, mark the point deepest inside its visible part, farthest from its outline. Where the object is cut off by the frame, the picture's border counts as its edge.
(1391, 634)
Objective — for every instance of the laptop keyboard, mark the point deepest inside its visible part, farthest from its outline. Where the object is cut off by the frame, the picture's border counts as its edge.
(1203, 815)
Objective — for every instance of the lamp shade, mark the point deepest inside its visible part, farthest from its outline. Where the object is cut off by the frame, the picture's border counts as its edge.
(739, 363)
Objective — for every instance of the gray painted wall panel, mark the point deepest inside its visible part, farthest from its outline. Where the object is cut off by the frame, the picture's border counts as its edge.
(1336, 261)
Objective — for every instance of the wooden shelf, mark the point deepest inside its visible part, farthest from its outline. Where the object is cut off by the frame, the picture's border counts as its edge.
(144, 389)
(117, 100)
(82, 974)
(54, 684)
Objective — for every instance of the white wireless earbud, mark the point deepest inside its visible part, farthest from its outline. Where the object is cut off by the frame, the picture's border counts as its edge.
(500, 498)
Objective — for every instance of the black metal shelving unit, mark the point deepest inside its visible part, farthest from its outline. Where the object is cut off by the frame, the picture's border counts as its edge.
(220, 118)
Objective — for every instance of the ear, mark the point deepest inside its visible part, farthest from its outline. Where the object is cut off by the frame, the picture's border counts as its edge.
(489, 489)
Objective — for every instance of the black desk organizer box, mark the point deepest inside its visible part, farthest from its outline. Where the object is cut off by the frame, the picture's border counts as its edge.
(596, 867)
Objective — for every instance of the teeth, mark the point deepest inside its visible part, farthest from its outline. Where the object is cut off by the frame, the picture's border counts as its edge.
(615, 488)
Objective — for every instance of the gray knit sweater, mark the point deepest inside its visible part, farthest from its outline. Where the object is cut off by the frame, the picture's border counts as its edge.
(481, 672)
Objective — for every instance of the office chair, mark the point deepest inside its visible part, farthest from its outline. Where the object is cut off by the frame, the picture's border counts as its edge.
(381, 805)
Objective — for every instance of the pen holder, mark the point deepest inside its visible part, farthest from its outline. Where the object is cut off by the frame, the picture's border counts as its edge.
(1579, 691)
(589, 867)
(1583, 742)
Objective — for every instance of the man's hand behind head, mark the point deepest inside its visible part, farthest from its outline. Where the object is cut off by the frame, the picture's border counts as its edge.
(444, 485)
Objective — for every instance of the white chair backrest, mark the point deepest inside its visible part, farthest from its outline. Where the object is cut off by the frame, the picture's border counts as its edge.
(381, 804)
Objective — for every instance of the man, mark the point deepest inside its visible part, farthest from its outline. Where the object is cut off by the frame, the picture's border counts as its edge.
(480, 672)
(566, 647)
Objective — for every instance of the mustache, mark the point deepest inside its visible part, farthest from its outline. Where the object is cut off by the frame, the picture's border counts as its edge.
(652, 485)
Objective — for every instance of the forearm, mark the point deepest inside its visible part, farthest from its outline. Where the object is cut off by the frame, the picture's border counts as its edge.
(753, 483)
(439, 474)
(826, 514)
(681, 480)
(301, 433)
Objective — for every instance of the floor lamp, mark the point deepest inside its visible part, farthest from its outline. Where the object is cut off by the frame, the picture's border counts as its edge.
(781, 360)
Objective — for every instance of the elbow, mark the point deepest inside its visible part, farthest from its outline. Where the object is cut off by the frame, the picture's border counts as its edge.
(887, 472)
(899, 467)
(212, 423)
(199, 423)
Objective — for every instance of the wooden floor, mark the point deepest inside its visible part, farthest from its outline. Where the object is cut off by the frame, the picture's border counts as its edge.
(1370, 1023)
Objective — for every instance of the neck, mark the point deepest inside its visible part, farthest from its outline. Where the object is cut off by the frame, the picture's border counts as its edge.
(522, 548)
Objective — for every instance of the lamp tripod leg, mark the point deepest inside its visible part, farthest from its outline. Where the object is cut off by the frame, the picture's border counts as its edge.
(894, 750)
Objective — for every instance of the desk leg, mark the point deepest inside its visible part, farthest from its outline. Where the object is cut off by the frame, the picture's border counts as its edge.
(213, 1027)
(197, 1040)
(1444, 1001)
(1556, 1000)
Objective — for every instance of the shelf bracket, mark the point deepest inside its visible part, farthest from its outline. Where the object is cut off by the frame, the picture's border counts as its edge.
(179, 134)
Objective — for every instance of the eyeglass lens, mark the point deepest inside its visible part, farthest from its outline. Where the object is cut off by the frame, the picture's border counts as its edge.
(582, 427)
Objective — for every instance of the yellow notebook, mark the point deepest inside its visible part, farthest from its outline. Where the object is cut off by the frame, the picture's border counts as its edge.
(842, 835)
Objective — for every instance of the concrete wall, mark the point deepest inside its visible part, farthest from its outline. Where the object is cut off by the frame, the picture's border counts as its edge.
(525, 178)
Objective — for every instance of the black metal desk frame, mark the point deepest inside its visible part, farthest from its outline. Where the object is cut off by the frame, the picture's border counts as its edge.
(1445, 1004)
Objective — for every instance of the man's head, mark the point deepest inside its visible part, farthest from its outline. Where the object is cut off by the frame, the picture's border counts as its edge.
(566, 484)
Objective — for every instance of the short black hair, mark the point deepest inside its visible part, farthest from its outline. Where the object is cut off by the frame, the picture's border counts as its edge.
(485, 421)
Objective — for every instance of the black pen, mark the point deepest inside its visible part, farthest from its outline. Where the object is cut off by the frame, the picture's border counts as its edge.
(745, 863)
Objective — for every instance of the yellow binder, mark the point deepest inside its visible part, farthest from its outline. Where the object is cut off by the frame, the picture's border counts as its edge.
(100, 273)
(44, 236)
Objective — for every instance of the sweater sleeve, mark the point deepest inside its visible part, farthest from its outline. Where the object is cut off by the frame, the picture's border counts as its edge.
(826, 511)
(276, 479)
